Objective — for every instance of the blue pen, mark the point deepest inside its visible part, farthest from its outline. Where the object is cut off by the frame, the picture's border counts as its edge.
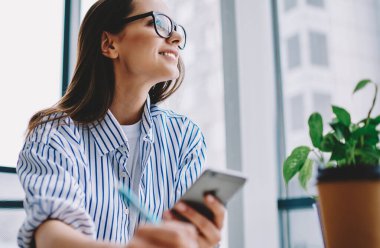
(131, 198)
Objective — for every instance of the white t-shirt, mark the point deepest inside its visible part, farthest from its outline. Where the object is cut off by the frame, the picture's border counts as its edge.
(133, 133)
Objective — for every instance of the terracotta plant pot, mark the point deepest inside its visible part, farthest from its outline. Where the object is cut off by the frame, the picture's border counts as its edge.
(349, 199)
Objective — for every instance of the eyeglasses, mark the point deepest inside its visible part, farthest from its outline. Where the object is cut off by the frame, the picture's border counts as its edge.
(163, 25)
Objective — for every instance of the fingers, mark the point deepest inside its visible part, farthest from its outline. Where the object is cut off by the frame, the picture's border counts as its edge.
(169, 234)
(204, 243)
(208, 230)
(217, 208)
(138, 243)
(167, 216)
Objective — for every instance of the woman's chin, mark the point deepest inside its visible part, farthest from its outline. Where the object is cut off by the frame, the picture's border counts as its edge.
(171, 75)
(174, 77)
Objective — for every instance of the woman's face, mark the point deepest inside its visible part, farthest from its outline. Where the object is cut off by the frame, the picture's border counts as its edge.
(144, 54)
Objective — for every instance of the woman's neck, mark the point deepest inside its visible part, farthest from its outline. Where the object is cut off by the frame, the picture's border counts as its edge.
(128, 101)
(131, 92)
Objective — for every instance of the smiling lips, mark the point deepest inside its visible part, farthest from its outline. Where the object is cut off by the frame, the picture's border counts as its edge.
(170, 54)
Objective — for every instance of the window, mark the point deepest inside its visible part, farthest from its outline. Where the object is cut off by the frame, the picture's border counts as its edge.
(334, 48)
(305, 235)
(33, 62)
(84, 6)
(316, 3)
(202, 90)
(30, 80)
(290, 4)
(10, 219)
(293, 51)
(297, 112)
(322, 104)
(318, 49)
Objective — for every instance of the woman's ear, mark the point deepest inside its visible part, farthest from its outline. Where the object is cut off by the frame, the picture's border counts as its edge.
(107, 46)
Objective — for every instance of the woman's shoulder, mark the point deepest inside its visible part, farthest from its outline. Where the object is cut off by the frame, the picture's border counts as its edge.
(171, 116)
(175, 122)
(159, 111)
(53, 127)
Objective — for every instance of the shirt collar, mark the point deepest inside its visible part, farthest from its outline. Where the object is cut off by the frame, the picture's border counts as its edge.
(147, 122)
(109, 134)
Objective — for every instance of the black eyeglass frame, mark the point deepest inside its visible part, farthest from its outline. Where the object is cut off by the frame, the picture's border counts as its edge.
(154, 14)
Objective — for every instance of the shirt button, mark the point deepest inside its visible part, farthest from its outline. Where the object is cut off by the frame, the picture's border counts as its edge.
(123, 174)
(126, 211)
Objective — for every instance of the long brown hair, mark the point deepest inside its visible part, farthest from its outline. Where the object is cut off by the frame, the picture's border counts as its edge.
(90, 93)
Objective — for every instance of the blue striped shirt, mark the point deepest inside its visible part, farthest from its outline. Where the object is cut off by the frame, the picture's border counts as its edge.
(70, 172)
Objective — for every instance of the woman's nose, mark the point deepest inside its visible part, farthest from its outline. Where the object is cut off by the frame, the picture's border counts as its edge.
(175, 38)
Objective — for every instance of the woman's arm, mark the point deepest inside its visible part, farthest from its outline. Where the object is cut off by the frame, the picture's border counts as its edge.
(55, 233)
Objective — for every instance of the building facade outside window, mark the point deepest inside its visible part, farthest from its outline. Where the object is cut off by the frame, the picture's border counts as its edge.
(290, 4)
(341, 50)
(293, 51)
(316, 3)
(297, 110)
(318, 49)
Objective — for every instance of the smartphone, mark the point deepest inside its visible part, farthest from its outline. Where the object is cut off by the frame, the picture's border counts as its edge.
(221, 184)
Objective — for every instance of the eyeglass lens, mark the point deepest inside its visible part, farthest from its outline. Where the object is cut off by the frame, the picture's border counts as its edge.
(164, 28)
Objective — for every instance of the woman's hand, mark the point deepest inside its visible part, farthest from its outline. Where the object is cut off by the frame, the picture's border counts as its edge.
(209, 232)
(169, 234)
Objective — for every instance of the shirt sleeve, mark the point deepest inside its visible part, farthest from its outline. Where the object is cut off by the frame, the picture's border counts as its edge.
(192, 162)
(53, 191)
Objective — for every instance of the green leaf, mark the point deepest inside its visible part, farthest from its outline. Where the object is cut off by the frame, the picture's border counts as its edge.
(371, 140)
(376, 120)
(362, 84)
(369, 130)
(305, 173)
(341, 131)
(341, 162)
(369, 156)
(331, 164)
(294, 162)
(338, 152)
(350, 150)
(353, 127)
(316, 129)
(367, 135)
(342, 115)
(328, 142)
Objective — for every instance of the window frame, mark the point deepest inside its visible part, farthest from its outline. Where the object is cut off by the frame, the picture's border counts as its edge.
(71, 28)
(284, 204)
(231, 75)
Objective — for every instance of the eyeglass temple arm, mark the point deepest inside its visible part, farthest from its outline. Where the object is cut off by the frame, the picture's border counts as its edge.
(134, 18)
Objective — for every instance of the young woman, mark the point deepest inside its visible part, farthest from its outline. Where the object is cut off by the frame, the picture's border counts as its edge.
(108, 131)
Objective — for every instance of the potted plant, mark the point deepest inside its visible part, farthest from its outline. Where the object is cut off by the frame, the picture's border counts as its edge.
(348, 180)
